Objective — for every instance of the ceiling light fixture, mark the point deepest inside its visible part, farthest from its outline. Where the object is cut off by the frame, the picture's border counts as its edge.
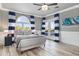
(44, 7)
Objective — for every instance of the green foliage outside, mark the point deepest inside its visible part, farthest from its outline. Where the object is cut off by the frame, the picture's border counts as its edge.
(22, 28)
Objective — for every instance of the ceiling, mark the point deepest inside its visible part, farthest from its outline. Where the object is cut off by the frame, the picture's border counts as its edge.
(29, 8)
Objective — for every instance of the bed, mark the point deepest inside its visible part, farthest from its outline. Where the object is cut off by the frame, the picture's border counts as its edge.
(25, 42)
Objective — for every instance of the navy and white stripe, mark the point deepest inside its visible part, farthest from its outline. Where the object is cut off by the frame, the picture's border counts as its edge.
(32, 20)
(43, 26)
(11, 20)
(57, 28)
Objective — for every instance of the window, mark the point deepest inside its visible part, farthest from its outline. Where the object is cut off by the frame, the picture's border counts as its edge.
(23, 24)
(52, 25)
(46, 25)
(49, 27)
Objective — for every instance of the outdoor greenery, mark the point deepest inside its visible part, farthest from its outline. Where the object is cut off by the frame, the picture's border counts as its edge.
(22, 28)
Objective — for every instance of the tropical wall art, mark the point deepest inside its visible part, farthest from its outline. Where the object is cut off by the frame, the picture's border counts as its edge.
(71, 21)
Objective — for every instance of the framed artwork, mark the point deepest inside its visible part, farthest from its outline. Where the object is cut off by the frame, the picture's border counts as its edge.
(76, 20)
(71, 21)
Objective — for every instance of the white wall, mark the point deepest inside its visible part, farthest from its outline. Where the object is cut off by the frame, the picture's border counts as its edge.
(4, 19)
(70, 34)
(71, 13)
(70, 37)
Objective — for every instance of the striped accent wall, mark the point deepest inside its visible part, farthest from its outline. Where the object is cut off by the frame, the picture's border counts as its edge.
(57, 28)
(32, 20)
(11, 20)
(43, 26)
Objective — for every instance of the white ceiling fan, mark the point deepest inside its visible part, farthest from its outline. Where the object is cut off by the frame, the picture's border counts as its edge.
(45, 6)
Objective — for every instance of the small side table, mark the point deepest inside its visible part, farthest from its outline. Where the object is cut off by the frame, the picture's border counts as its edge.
(8, 41)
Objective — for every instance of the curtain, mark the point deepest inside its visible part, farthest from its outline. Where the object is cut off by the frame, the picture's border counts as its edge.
(32, 20)
(11, 20)
(43, 26)
(57, 28)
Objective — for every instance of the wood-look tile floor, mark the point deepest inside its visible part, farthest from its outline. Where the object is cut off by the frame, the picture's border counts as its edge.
(51, 49)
